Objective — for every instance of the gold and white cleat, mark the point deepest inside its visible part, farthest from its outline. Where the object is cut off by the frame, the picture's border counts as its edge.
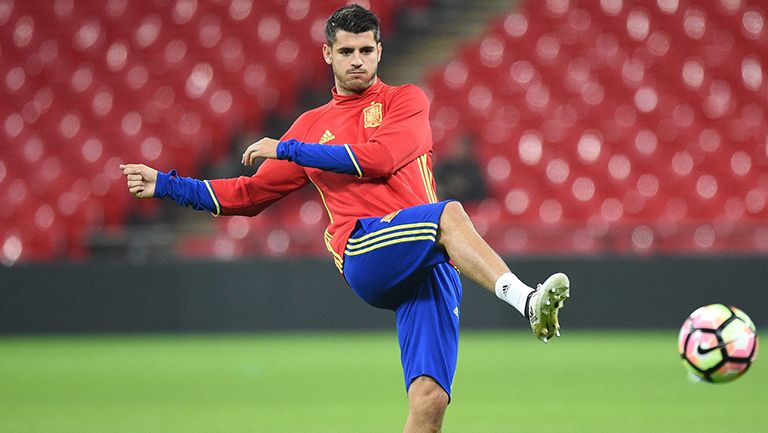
(543, 305)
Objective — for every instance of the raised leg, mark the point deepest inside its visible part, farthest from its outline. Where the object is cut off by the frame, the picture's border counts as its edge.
(468, 250)
(480, 263)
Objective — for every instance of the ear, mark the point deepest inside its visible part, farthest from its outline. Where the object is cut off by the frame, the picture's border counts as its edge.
(379, 56)
(327, 53)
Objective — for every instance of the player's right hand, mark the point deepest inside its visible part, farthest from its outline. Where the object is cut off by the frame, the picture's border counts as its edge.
(141, 179)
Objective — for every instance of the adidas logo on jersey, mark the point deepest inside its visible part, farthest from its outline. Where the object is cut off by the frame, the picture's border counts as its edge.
(327, 136)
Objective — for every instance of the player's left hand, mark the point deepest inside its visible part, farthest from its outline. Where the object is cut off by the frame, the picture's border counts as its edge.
(264, 148)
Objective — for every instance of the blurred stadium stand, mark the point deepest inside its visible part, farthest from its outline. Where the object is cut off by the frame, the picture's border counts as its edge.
(89, 85)
(601, 125)
(616, 126)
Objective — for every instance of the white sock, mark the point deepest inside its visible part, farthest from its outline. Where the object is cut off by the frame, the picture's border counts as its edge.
(511, 290)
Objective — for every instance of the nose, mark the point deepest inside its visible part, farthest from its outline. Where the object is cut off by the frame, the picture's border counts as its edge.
(357, 61)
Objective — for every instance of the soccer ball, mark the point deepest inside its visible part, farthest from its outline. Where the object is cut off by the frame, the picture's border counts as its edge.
(718, 343)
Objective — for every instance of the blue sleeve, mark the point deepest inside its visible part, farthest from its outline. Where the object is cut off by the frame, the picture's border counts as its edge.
(187, 191)
(335, 158)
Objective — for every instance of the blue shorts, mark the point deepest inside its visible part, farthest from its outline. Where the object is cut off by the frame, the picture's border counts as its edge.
(394, 262)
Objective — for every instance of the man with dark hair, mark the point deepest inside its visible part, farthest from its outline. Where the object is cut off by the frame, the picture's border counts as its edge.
(353, 19)
(368, 152)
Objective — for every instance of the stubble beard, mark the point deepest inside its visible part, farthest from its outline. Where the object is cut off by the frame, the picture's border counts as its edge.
(355, 85)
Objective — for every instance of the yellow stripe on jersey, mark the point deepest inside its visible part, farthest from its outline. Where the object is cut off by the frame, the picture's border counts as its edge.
(213, 196)
(426, 177)
(423, 175)
(322, 197)
(354, 161)
(338, 260)
(392, 242)
(430, 181)
(433, 232)
(390, 229)
(328, 238)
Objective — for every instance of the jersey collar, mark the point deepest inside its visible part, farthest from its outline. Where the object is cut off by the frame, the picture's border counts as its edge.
(343, 99)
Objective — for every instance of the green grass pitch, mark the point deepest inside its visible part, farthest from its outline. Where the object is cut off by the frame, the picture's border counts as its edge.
(351, 382)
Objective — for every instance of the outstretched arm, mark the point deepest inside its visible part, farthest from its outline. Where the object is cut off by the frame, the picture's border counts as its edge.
(146, 182)
(244, 195)
(235, 196)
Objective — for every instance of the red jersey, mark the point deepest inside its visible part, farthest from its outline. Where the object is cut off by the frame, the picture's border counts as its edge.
(387, 133)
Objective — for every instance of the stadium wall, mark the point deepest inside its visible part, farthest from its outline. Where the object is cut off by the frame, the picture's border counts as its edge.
(255, 295)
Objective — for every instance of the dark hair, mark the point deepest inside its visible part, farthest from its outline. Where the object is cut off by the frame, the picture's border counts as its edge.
(354, 19)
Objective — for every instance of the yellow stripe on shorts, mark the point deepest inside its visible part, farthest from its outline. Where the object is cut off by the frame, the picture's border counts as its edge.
(390, 229)
(392, 242)
(375, 240)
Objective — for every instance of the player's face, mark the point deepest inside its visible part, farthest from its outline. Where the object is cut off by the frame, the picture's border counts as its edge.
(354, 58)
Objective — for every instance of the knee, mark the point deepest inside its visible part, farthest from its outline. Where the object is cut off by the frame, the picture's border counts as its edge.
(454, 210)
(428, 402)
(432, 403)
(453, 215)
(453, 222)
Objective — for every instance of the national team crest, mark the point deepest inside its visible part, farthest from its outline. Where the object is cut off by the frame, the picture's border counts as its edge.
(373, 115)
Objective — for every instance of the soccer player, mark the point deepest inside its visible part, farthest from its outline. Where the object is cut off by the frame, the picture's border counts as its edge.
(368, 153)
